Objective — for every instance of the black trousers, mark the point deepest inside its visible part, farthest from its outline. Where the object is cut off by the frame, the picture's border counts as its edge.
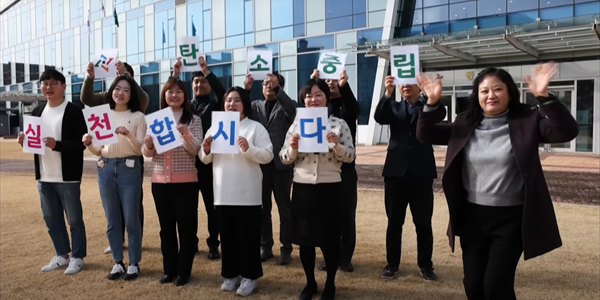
(418, 193)
(492, 245)
(348, 215)
(240, 241)
(205, 183)
(141, 204)
(278, 182)
(177, 209)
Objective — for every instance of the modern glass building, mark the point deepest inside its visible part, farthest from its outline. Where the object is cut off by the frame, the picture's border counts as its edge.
(457, 38)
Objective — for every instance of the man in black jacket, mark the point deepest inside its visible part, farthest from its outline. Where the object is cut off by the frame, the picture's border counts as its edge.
(408, 173)
(343, 105)
(203, 105)
(276, 113)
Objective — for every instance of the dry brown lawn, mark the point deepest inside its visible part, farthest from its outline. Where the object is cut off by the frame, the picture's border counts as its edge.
(10, 149)
(571, 272)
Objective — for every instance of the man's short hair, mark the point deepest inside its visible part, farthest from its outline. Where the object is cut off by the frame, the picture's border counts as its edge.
(129, 69)
(53, 74)
(197, 74)
(280, 78)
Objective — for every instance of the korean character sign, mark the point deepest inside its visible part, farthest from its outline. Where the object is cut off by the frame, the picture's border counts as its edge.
(331, 65)
(188, 50)
(105, 63)
(260, 63)
(32, 143)
(313, 129)
(162, 127)
(99, 125)
(225, 132)
(405, 64)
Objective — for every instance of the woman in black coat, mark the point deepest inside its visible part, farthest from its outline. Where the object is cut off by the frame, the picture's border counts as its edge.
(497, 196)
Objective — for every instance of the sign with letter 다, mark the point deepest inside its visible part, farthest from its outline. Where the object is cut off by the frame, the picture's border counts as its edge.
(312, 128)
(405, 64)
(225, 131)
(331, 65)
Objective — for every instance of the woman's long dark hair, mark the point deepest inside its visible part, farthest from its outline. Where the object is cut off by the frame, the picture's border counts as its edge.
(246, 102)
(474, 112)
(134, 100)
(187, 113)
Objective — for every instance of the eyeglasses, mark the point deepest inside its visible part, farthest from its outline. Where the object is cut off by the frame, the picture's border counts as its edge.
(46, 84)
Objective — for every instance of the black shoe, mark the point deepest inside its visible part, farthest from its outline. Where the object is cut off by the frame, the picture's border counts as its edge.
(308, 292)
(132, 272)
(166, 279)
(347, 267)
(182, 280)
(116, 272)
(428, 274)
(285, 258)
(323, 266)
(266, 254)
(213, 252)
(328, 292)
(389, 272)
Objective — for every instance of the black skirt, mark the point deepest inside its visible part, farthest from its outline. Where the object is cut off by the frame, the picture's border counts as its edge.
(316, 214)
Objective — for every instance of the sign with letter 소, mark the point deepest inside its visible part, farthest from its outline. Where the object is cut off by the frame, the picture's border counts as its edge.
(260, 63)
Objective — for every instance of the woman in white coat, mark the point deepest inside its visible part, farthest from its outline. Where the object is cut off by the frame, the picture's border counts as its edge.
(238, 191)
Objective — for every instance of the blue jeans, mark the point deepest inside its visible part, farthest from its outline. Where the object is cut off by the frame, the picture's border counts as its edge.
(120, 181)
(58, 199)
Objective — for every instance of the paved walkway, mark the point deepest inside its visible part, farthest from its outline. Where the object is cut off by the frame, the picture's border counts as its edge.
(571, 177)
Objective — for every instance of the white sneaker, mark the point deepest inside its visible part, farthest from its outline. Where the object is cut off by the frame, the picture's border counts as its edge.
(107, 250)
(230, 283)
(247, 287)
(75, 266)
(55, 263)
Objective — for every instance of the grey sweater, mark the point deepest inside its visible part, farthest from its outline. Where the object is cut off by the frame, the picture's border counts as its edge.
(490, 172)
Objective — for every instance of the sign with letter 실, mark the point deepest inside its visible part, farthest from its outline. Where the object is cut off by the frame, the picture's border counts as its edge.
(32, 142)
(97, 119)
(225, 132)
(162, 127)
(260, 63)
(313, 129)
(331, 65)
(105, 63)
(188, 50)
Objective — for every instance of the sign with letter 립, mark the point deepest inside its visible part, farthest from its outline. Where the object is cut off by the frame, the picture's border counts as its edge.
(105, 63)
(188, 50)
(162, 127)
(405, 64)
(32, 142)
(313, 128)
(225, 132)
(260, 63)
(331, 65)
(99, 126)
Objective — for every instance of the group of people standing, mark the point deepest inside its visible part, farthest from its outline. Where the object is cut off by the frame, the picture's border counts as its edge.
(498, 202)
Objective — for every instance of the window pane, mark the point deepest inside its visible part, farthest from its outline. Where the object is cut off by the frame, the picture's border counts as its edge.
(316, 44)
(25, 25)
(218, 57)
(150, 67)
(428, 3)
(282, 13)
(223, 73)
(298, 11)
(306, 65)
(435, 14)
(273, 47)
(359, 6)
(207, 25)
(491, 22)
(585, 115)
(359, 21)
(164, 5)
(367, 68)
(282, 33)
(436, 28)
(556, 13)
(234, 16)
(299, 30)
(522, 17)
(337, 8)
(194, 15)
(338, 24)
(491, 7)
(234, 41)
(150, 84)
(553, 3)
(520, 5)
(587, 9)
(462, 25)
(465, 10)
(369, 35)
(248, 16)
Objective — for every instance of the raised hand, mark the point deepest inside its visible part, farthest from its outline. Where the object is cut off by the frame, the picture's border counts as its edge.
(203, 65)
(315, 74)
(87, 139)
(538, 85)
(177, 68)
(149, 142)
(343, 78)
(121, 70)
(431, 85)
(20, 138)
(206, 144)
(333, 138)
(294, 141)
(49, 142)
(90, 70)
(389, 86)
(248, 80)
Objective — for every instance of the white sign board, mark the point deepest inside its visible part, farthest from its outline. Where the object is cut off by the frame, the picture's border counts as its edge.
(313, 127)
(404, 62)
(98, 121)
(188, 49)
(225, 132)
(32, 142)
(162, 127)
(331, 65)
(105, 63)
(260, 63)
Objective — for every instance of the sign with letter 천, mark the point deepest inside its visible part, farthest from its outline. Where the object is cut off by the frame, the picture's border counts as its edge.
(99, 126)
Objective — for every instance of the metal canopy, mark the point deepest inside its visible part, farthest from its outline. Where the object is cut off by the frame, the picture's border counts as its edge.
(21, 97)
(536, 40)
